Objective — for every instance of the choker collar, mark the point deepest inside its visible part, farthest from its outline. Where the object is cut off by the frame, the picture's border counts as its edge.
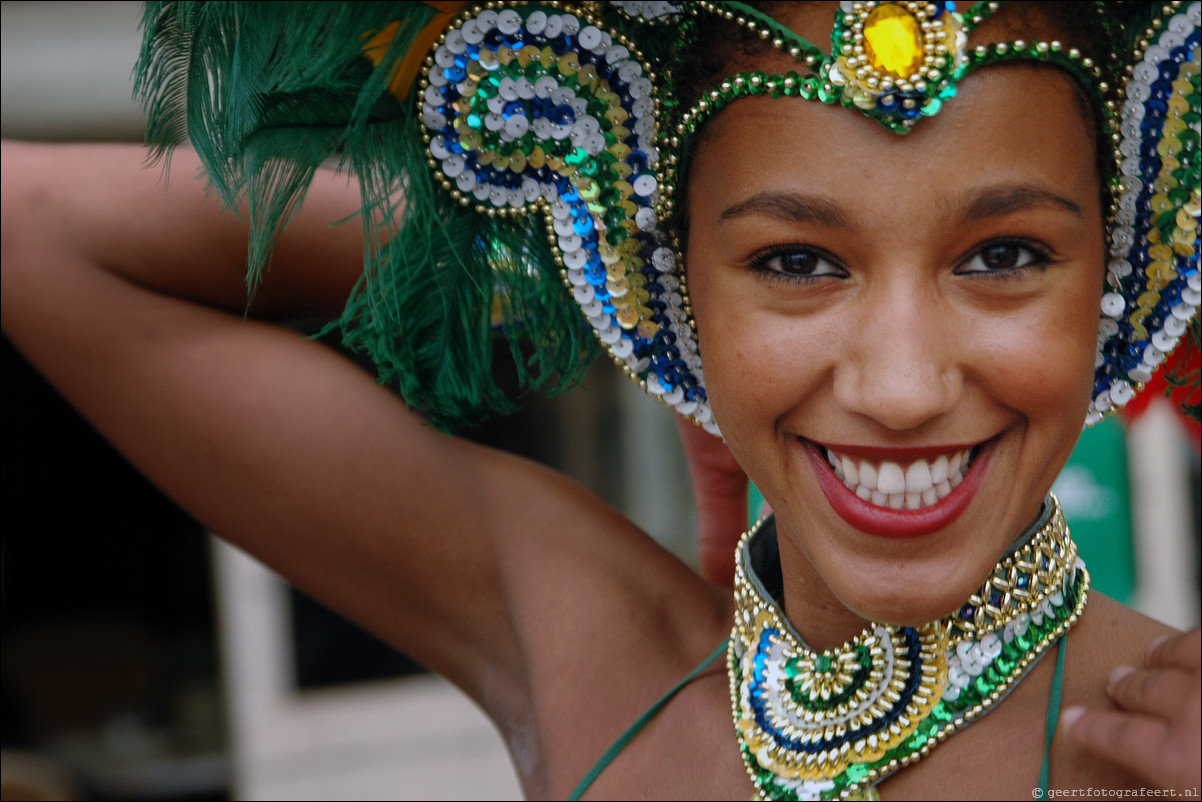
(833, 724)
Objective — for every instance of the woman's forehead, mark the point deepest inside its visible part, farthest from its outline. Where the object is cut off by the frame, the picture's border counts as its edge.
(1014, 123)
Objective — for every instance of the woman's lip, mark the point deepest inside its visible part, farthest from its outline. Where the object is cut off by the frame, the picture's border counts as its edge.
(888, 522)
(905, 454)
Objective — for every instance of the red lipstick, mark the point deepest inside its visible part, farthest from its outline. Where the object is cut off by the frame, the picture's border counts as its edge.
(886, 521)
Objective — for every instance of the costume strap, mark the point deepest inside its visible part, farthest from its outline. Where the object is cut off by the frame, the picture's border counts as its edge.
(625, 738)
(1053, 718)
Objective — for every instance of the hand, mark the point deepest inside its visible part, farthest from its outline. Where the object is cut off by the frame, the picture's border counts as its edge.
(1156, 732)
(720, 487)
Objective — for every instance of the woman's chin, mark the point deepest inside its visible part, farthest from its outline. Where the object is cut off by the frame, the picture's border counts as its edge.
(912, 605)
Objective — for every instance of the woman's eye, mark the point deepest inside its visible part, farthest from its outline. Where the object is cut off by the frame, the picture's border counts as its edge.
(1004, 257)
(796, 264)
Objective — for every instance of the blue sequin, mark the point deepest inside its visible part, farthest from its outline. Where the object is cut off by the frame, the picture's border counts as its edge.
(1161, 89)
(493, 38)
(563, 115)
(561, 44)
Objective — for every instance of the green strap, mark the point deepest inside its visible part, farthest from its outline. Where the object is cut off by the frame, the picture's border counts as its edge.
(638, 725)
(1053, 719)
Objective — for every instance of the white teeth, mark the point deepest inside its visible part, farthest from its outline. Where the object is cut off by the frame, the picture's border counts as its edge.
(918, 477)
(890, 479)
(919, 484)
(868, 476)
(850, 474)
(939, 470)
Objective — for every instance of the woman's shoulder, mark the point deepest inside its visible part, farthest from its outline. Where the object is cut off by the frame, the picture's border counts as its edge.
(1108, 636)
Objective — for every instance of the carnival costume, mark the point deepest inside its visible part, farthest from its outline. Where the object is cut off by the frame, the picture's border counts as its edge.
(520, 164)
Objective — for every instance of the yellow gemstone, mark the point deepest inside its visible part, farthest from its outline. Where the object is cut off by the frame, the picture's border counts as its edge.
(893, 43)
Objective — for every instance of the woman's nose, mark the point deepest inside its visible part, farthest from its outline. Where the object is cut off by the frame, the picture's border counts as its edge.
(901, 367)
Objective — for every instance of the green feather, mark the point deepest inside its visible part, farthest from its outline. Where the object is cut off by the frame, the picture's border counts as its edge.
(267, 93)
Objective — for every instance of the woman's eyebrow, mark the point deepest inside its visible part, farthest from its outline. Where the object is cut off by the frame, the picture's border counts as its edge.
(997, 201)
(793, 208)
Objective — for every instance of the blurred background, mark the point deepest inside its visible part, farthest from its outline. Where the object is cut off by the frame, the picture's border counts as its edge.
(142, 659)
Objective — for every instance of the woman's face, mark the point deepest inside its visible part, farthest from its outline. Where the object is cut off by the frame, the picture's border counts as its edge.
(919, 309)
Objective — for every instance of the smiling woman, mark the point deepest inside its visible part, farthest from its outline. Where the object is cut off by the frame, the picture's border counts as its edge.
(890, 252)
(870, 319)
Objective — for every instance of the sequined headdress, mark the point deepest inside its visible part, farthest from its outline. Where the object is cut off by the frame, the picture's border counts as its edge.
(518, 164)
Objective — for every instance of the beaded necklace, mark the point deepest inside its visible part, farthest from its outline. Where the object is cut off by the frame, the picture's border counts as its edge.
(833, 724)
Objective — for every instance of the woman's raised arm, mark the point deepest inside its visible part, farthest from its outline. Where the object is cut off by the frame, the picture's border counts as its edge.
(128, 296)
